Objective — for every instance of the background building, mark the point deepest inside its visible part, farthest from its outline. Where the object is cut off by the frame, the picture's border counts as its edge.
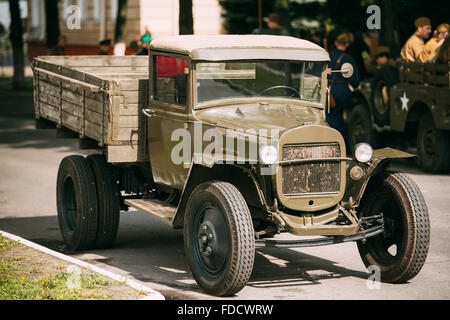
(98, 18)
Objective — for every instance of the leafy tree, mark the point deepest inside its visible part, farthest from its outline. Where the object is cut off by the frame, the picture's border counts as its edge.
(241, 16)
(336, 16)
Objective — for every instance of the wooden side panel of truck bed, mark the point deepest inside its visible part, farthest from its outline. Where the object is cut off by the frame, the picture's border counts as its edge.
(97, 97)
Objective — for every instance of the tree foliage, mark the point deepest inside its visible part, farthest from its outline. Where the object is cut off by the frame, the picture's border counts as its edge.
(241, 16)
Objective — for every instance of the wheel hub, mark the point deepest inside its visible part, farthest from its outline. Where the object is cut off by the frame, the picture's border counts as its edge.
(206, 239)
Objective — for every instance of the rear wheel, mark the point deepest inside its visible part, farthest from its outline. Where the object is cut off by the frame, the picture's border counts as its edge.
(108, 201)
(77, 203)
(433, 146)
(219, 238)
(399, 252)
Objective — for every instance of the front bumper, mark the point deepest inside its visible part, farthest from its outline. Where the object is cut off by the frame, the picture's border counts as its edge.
(324, 241)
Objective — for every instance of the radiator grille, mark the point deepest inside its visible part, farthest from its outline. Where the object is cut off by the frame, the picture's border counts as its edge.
(318, 176)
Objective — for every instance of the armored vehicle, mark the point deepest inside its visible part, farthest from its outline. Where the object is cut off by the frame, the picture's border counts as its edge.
(407, 105)
(224, 136)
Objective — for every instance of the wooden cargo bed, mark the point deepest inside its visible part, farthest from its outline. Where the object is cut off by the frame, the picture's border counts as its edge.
(98, 97)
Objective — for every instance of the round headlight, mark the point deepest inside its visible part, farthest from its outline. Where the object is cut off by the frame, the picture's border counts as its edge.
(268, 154)
(363, 152)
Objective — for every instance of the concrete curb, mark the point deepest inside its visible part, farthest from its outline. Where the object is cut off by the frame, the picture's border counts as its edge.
(151, 294)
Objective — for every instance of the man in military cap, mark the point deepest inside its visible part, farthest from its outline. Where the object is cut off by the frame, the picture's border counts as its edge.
(434, 44)
(414, 48)
(341, 96)
(385, 72)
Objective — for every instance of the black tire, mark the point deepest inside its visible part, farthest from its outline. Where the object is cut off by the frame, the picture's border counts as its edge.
(407, 227)
(384, 79)
(217, 217)
(433, 146)
(360, 127)
(76, 203)
(108, 199)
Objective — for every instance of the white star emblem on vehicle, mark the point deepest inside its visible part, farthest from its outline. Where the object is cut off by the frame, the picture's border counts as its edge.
(405, 101)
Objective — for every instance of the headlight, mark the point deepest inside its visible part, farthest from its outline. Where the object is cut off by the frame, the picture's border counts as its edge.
(268, 154)
(363, 152)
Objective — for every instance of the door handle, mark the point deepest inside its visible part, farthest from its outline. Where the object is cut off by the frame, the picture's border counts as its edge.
(148, 112)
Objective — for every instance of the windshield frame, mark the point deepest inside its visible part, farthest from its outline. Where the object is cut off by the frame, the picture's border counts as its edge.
(242, 100)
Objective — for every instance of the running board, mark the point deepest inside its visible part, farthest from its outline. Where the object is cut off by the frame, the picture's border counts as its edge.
(157, 209)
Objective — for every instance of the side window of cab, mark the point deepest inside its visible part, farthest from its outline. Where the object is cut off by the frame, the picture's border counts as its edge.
(170, 85)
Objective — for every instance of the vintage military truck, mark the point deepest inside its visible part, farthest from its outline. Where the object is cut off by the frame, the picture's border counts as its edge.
(224, 136)
(407, 105)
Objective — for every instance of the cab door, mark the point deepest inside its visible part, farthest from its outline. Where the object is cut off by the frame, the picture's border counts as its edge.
(167, 117)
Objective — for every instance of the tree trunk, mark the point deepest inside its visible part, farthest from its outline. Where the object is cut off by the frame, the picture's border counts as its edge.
(16, 37)
(52, 23)
(186, 18)
(121, 20)
(388, 22)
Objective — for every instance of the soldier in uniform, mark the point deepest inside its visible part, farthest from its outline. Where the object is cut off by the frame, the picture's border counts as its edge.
(414, 48)
(341, 96)
(434, 44)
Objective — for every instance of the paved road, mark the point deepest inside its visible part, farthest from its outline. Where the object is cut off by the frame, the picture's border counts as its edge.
(152, 252)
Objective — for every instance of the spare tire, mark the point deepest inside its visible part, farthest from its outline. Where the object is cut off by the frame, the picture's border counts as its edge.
(385, 78)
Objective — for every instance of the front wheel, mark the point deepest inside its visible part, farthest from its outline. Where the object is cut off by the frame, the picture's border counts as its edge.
(400, 251)
(433, 146)
(219, 238)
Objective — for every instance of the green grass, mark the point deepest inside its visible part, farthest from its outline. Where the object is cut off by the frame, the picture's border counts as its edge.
(23, 280)
(6, 84)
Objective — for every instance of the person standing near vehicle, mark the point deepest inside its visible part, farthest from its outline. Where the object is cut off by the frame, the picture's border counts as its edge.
(146, 40)
(341, 98)
(414, 48)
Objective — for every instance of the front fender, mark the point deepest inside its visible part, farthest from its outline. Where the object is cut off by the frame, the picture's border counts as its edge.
(379, 164)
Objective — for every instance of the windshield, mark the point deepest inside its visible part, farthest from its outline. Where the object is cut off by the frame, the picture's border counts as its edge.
(284, 79)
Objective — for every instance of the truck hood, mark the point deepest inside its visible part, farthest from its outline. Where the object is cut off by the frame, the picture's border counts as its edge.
(256, 116)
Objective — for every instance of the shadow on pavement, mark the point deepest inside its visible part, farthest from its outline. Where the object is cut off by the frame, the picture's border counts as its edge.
(153, 252)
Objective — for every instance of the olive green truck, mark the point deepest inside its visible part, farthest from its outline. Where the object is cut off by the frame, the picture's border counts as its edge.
(407, 105)
(224, 136)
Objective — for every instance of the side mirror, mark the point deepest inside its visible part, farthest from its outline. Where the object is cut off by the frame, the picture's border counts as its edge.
(347, 70)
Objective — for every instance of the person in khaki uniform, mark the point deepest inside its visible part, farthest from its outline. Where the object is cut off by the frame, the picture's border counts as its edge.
(414, 48)
(434, 44)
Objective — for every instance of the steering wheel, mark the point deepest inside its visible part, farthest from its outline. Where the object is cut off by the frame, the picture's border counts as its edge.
(295, 91)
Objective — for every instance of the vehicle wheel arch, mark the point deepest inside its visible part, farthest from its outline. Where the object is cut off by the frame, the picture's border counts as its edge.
(418, 109)
(234, 174)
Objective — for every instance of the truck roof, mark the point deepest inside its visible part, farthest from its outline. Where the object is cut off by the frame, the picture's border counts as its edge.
(241, 47)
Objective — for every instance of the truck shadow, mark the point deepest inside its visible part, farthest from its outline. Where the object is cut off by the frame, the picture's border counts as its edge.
(150, 251)
(20, 133)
